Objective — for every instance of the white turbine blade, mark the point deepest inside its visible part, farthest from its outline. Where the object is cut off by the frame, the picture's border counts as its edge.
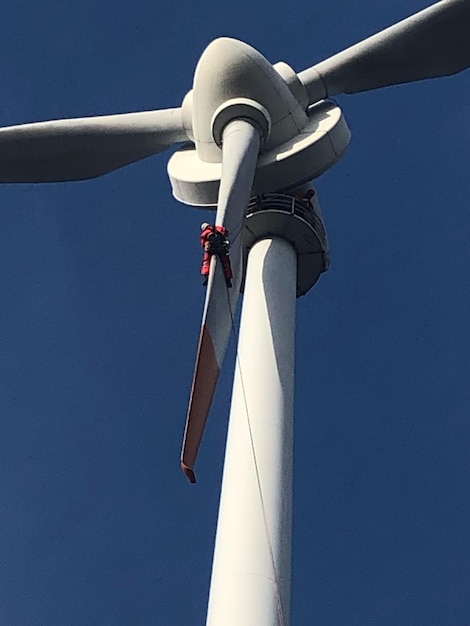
(76, 149)
(432, 43)
(240, 149)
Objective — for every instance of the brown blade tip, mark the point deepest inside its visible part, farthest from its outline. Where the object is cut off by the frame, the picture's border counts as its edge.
(189, 473)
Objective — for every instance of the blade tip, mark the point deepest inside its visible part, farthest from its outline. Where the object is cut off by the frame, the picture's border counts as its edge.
(189, 473)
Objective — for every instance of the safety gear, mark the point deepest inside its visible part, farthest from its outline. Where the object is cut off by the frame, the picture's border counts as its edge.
(306, 198)
(215, 243)
(309, 194)
(204, 225)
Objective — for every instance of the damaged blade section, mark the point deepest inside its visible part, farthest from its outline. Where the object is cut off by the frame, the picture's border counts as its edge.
(205, 380)
(240, 148)
(215, 333)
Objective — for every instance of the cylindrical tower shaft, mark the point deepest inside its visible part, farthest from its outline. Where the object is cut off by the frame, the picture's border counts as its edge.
(252, 560)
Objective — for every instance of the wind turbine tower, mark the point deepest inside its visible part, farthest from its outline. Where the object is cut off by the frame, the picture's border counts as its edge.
(252, 561)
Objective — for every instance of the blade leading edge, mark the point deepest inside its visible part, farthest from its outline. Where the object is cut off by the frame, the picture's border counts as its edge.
(429, 44)
(240, 148)
(81, 148)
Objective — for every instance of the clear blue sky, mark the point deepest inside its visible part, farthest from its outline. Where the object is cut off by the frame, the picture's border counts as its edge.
(99, 318)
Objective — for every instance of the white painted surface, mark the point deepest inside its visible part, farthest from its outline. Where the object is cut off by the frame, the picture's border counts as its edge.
(429, 44)
(318, 147)
(240, 152)
(252, 560)
(85, 147)
(229, 68)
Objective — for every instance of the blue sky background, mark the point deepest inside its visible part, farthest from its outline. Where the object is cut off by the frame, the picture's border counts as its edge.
(99, 318)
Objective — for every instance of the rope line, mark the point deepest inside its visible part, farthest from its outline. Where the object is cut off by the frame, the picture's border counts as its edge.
(258, 478)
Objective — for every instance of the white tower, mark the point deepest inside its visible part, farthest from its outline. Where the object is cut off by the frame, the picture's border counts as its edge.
(287, 250)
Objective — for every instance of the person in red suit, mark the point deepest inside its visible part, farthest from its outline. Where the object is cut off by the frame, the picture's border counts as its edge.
(214, 241)
(306, 197)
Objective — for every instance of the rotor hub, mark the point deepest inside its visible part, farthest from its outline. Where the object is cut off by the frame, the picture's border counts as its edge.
(305, 156)
(231, 72)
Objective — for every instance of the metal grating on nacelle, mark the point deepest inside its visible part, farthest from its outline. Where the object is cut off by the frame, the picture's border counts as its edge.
(299, 222)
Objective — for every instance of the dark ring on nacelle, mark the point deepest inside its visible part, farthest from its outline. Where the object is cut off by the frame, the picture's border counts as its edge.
(240, 108)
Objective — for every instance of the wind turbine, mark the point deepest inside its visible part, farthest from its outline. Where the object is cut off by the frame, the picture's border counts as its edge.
(251, 130)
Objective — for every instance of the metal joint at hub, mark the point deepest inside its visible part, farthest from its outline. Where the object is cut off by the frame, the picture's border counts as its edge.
(292, 219)
(241, 108)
